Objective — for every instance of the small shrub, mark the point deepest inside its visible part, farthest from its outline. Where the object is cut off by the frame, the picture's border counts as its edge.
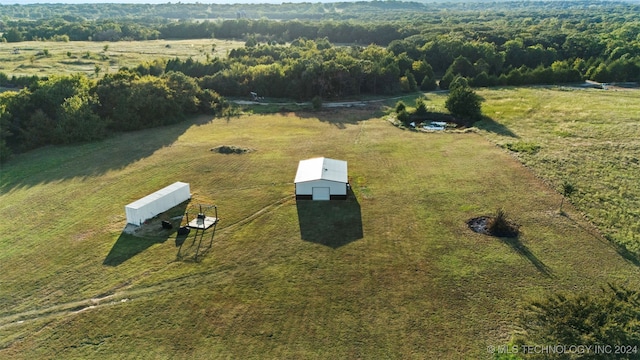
(404, 117)
(567, 190)
(421, 108)
(316, 103)
(500, 226)
(400, 107)
(231, 149)
(522, 147)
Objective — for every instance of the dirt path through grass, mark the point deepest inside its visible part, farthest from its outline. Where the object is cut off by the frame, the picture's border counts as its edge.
(125, 292)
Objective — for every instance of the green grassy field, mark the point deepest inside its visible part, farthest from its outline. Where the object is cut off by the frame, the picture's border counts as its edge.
(50, 57)
(590, 138)
(392, 273)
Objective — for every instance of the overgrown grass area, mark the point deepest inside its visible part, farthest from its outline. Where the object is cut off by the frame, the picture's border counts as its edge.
(590, 138)
(44, 58)
(393, 272)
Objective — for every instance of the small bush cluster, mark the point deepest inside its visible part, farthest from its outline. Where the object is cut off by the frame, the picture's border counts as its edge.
(230, 149)
(500, 226)
(522, 147)
(420, 114)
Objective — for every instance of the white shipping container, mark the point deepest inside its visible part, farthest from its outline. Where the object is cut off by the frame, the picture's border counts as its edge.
(160, 201)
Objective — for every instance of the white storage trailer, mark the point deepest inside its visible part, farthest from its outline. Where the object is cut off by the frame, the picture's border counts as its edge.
(160, 201)
(321, 179)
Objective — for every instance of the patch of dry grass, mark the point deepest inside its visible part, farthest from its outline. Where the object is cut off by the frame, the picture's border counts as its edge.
(44, 58)
(587, 137)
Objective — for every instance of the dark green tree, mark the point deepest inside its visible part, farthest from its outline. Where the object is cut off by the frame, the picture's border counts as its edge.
(5, 151)
(77, 122)
(459, 81)
(446, 80)
(462, 66)
(464, 103)
(421, 70)
(408, 82)
(404, 117)
(13, 35)
(567, 190)
(421, 108)
(316, 103)
(185, 91)
(428, 84)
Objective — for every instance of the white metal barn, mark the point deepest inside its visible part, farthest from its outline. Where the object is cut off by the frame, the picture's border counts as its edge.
(160, 201)
(321, 179)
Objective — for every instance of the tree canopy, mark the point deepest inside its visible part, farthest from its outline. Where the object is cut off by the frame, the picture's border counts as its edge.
(324, 51)
(68, 109)
(463, 102)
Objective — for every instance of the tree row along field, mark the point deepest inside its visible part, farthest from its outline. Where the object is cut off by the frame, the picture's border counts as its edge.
(501, 43)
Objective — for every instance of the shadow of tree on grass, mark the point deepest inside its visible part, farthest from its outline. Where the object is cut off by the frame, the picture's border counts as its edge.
(516, 245)
(490, 125)
(626, 254)
(341, 117)
(55, 163)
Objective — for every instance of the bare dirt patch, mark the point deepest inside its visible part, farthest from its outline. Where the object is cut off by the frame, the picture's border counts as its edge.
(493, 226)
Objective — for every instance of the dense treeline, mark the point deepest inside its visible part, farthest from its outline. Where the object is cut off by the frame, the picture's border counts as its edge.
(308, 68)
(490, 44)
(402, 48)
(363, 10)
(59, 29)
(545, 23)
(423, 12)
(71, 109)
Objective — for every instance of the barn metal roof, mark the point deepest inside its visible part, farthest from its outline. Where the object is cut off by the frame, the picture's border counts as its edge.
(322, 168)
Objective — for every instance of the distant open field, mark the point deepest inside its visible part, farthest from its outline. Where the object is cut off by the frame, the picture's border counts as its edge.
(404, 277)
(50, 57)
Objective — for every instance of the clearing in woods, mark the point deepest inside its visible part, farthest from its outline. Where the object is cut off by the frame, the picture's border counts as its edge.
(45, 58)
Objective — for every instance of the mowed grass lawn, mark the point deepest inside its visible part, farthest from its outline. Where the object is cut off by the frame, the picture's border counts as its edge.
(404, 277)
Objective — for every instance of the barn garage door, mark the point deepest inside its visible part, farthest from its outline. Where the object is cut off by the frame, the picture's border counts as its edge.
(321, 193)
